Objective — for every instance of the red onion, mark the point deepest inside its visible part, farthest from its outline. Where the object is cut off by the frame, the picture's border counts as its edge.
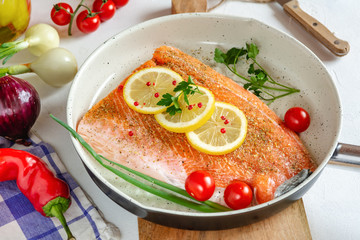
(19, 108)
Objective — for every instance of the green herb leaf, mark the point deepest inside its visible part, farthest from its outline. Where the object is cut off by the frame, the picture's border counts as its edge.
(219, 56)
(186, 99)
(252, 50)
(176, 102)
(166, 100)
(232, 56)
(191, 81)
(261, 76)
(186, 88)
(172, 110)
(251, 69)
(183, 85)
(259, 81)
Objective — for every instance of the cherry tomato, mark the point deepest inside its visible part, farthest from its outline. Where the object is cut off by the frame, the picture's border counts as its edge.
(87, 22)
(120, 3)
(200, 185)
(105, 8)
(61, 14)
(238, 195)
(297, 119)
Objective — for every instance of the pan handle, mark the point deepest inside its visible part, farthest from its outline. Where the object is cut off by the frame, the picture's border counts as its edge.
(346, 154)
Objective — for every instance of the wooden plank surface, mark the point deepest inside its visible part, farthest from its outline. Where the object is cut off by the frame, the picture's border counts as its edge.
(186, 6)
(289, 224)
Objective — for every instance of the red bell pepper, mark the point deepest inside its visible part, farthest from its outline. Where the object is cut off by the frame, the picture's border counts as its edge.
(49, 195)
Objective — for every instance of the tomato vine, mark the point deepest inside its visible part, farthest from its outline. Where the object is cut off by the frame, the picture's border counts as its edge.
(87, 20)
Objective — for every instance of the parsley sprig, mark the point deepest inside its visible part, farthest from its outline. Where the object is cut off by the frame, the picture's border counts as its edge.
(258, 81)
(185, 88)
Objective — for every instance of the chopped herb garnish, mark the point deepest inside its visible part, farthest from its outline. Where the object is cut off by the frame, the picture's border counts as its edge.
(185, 88)
(258, 81)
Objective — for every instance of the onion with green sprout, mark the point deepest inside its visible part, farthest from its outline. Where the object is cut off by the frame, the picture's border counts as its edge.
(56, 67)
(38, 39)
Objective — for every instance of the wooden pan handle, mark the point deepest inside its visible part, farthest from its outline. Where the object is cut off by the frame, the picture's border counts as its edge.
(335, 45)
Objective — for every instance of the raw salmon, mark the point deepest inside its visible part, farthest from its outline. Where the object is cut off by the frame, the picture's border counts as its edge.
(270, 154)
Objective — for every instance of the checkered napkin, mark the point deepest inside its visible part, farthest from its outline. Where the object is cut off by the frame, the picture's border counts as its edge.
(19, 220)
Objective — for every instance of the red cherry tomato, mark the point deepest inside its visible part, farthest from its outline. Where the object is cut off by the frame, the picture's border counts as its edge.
(120, 3)
(87, 22)
(61, 14)
(200, 185)
(105, 8)
(297, 119)
(238, 195)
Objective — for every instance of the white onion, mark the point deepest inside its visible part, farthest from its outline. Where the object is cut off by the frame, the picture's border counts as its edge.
(38, 39)
(56, 67)
(41, 38)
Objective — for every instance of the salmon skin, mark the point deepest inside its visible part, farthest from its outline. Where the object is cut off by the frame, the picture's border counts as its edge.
(270, 154)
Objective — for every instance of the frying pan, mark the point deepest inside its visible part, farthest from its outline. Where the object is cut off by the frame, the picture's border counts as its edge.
(198, 35)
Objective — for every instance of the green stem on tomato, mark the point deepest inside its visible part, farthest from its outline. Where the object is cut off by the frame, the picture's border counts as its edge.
(72, 16)
(206, 206)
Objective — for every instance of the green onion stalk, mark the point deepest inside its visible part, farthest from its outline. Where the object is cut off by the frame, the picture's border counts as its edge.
(173, 193)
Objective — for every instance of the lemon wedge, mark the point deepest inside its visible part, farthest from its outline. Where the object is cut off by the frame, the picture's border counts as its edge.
(143, 89)
(224, 132)
(198, 112)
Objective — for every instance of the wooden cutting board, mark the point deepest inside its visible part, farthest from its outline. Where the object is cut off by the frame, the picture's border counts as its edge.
(185, 6)
(288, 224)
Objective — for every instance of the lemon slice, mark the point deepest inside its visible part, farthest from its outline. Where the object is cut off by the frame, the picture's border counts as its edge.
(144, 89)
(201, 107)
(223, 133)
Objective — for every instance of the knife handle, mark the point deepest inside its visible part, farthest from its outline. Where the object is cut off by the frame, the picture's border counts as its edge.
(335, 45)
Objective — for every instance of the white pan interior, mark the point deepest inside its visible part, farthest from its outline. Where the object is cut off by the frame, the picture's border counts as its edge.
(199, 34)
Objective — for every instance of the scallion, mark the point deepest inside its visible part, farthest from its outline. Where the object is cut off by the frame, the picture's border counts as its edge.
(188, 201)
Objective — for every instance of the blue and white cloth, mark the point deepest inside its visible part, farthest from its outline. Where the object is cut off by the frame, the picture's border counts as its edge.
(19, 220)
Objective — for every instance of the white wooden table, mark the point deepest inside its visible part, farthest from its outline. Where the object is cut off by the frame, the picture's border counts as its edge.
(332, 205)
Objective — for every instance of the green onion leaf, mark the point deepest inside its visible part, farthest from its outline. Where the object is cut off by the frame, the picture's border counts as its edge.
(188, 201)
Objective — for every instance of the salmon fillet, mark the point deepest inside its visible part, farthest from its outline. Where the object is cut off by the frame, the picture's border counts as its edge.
(270, 154)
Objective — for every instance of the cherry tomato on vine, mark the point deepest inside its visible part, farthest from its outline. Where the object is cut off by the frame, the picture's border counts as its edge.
(200, 185)
(297, 119)
(105, 8)
(238, 195)
(61, 14)
(120, 3)
(87, 22)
